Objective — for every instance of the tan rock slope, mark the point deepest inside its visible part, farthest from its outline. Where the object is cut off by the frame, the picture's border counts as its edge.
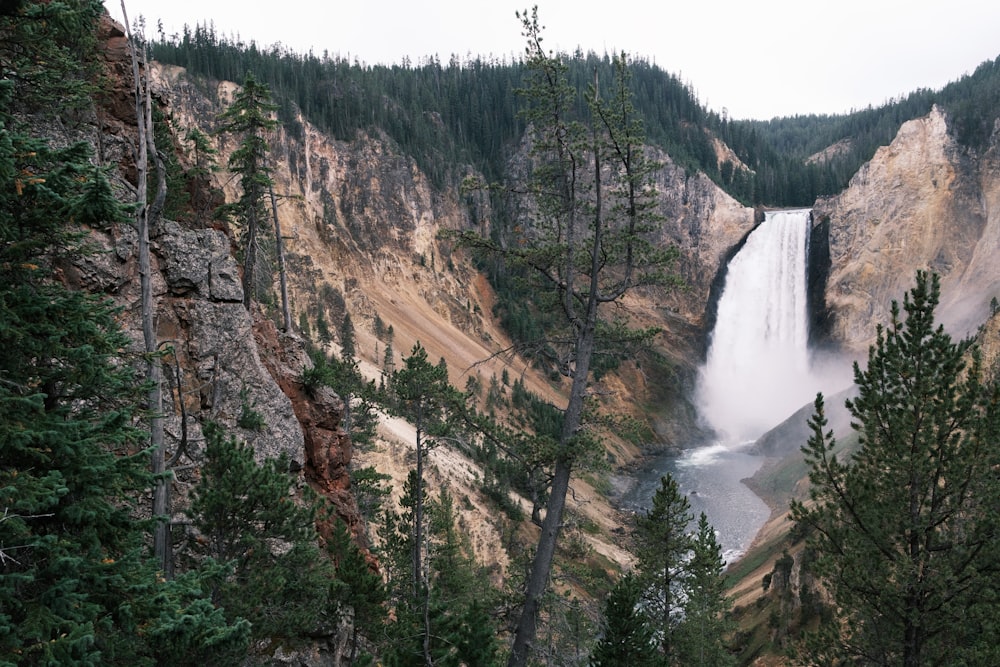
(922, 202)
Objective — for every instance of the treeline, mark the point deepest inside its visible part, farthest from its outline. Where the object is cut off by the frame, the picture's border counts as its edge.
(779, 149)
(468, 113)
(465, 111)
(445, 115)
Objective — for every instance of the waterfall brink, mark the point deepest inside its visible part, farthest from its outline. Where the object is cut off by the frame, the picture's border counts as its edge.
(757, 371)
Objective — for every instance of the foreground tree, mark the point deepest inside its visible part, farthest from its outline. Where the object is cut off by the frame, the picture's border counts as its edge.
(628, 637)
(584, 247)
(703, 628)
(425, 398)
(361, 594)
(906, 529)
(662, 545)
(65, 413)
(450, 624)
(276, 577)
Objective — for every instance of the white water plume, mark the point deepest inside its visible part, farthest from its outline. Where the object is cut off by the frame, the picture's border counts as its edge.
(757, 370)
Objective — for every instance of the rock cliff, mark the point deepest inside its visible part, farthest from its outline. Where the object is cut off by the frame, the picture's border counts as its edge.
(923, 202)
(362, 225)
(222, 363)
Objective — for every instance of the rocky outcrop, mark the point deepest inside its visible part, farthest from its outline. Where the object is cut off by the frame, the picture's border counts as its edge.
(327, 448)
(923, 202)
(222, 363)
(204, 328)
(214, 343)
(705, 224)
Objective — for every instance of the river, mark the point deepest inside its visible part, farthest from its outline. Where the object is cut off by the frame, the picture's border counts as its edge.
(710, 477)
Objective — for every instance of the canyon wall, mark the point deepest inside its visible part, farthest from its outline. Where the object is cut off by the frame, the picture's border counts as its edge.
(923, 202)
(362, 226)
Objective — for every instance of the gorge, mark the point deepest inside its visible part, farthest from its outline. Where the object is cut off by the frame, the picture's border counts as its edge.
(364, 223)
(367, 219)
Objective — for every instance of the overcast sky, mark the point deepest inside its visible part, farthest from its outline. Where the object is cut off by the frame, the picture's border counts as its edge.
(756, 59)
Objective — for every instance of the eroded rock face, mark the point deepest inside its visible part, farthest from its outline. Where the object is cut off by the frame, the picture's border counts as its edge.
(923, 202)
(223, 363)
(703, 222)
(327, 448)
(199, 264)
(201, 321)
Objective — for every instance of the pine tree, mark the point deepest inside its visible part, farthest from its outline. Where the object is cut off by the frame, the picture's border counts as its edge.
(278, 578)
(355, 384)
(203, 153)
(405, 637)
(348, 347)
(584, 247)
(66, 530)
(249, 117)
(662, 545)
(702, 631)
(905, 531)
(322, 328)
(627, 637)
(65, 406)
(184, 628)
(451, 626)
(425, 398)
(48, 56)
(203, 156)
(360, 418)
(362, 591)
(465, 634)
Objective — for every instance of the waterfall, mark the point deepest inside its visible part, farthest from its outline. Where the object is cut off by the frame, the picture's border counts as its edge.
(757, 371)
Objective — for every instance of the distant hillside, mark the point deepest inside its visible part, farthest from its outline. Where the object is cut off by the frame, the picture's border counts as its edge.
(464, 112)
(785, 145)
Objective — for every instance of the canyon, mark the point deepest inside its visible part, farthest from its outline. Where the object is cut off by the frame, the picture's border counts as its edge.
(363, 232)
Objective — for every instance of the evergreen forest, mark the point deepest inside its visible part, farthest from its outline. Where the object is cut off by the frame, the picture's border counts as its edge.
(465, 111)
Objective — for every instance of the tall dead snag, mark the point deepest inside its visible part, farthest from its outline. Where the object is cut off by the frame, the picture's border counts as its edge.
(279, 244)
(147, 214)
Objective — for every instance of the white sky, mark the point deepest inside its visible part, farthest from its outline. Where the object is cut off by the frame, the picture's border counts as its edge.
(756, 59)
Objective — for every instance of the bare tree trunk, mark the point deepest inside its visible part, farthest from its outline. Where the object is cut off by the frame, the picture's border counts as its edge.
(421, 585)
(154, 399)
(541, 565)
(250, 258)
(282, 276)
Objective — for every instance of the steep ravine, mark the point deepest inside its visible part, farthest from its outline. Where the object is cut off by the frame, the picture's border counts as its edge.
(362, 222)
(362, 226)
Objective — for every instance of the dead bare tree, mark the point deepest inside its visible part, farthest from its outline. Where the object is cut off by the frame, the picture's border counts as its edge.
(146, 215)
